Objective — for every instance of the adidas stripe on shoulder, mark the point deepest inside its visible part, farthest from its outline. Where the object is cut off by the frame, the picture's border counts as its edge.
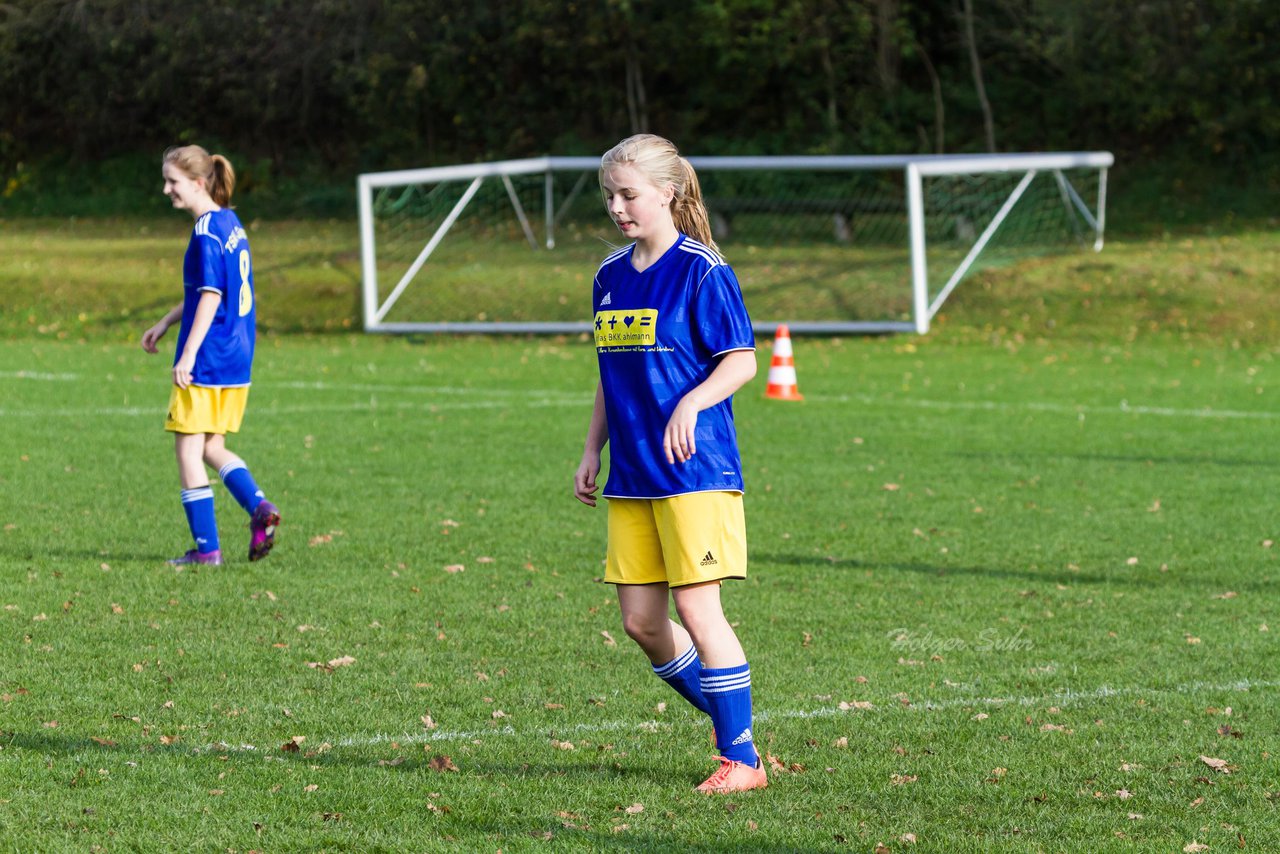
(613, 256)
(698, 248)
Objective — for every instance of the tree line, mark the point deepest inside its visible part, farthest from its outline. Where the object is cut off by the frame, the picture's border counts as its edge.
(352, 85)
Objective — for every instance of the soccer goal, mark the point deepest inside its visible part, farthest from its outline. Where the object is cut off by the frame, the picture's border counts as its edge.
(826, 244)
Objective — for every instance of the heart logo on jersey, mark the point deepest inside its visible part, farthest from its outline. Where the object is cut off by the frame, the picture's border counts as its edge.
(628, 320)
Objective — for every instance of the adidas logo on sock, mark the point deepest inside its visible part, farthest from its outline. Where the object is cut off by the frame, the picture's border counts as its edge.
(709, 560)
(607, 299)
(744, 738)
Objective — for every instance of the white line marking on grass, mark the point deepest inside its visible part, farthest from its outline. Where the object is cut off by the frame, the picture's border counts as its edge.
(1059, 698)
(1124, 407)
(156, 411)
(308, 385)
(37, 375)
(363, 406)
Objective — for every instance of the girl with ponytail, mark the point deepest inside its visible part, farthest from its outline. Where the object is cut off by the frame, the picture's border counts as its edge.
(673, 343)
(214, 354)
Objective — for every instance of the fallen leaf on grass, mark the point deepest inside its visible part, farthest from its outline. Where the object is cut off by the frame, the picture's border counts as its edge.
(428, 722)
(608, 639)
(333, 664)
(310, 787)
(438, 810)
(909, 838)
(562, 745)
(1194, 848)
(441, 763)
(634, 809)
(1230, 594)
(860, 705)
(781, 767)
(903, 779)
(454, 568)
(1219, 765)
(294, 744)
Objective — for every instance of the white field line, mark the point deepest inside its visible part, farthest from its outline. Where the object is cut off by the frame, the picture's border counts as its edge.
(1123, 408)
(548, 397)
(371, 406)
(892, 704)
(38, 375)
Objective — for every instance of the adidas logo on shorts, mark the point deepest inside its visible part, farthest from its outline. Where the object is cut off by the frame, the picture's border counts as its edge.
(744, 738)
(709, 560)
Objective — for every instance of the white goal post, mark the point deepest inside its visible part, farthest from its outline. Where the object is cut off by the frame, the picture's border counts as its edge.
(970, 203)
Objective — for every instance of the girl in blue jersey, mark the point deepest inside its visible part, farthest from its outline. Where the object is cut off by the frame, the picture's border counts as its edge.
(673, 342)
(214, 354)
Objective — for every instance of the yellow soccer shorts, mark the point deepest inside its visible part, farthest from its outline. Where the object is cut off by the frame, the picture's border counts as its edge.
(681, 540)
(202, 409)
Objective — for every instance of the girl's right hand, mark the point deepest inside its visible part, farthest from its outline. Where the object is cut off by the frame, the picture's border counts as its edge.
(584, 479)
(152, 336)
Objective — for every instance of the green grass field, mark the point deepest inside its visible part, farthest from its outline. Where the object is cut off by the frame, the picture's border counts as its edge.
(1013, 584)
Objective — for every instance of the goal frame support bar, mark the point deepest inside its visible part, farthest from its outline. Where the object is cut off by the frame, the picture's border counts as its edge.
(914, 167)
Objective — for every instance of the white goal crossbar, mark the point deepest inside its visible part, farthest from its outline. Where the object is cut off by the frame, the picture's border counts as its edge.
(915, 168)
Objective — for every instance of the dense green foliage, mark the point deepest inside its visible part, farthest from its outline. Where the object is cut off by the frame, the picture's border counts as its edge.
(304, 94)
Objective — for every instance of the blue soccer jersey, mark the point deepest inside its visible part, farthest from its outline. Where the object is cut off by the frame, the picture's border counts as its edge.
(218, 260)
(659, 334)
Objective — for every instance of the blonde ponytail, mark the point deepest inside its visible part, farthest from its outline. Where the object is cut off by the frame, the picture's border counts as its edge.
(223, 183)
(689, 211)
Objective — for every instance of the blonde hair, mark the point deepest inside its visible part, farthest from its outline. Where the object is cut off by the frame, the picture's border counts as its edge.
(660, 162)
(219, 178)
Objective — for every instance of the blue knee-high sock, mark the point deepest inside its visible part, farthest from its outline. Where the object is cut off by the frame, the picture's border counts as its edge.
(235, 476)
(198, 505)
(728, 693)
(684, 673)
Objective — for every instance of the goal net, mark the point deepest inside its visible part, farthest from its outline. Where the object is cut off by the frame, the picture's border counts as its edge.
(825, 244)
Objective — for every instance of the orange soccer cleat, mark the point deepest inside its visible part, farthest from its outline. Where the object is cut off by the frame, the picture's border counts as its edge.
(735, 777)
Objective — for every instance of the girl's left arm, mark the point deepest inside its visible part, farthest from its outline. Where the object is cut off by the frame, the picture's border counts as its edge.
(186, 363)
(734, 371)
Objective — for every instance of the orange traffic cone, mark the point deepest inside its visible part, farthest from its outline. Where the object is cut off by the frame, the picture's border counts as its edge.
(782, 369)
